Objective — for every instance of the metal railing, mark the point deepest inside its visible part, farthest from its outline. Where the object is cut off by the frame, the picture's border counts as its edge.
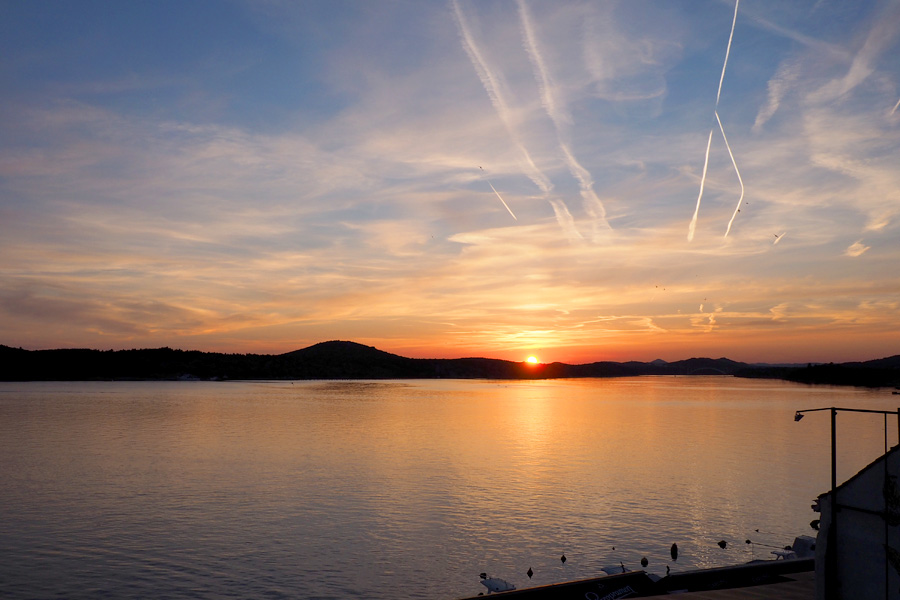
(832, 590)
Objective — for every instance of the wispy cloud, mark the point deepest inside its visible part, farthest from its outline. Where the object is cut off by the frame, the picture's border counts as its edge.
(880, 38)
(857, 248)
(788, 72)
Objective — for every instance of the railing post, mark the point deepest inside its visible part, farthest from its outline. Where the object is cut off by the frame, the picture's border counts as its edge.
(831, 564)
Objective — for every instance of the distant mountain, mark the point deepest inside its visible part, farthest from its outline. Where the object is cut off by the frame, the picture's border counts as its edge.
(346, 360)
(891, 362)
(882, 372)
(707, 366)
(869, 373)
(349, 360)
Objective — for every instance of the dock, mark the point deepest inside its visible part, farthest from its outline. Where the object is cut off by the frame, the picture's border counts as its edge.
(792, 579)
(800, 586)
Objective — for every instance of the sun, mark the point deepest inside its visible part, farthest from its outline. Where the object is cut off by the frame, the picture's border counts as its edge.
(532, 360)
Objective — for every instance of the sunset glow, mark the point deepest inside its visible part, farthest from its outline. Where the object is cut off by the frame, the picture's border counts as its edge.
(454, 179)
(532, 360)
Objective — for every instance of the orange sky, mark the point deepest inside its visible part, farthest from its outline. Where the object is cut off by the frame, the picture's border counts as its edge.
(455, 179)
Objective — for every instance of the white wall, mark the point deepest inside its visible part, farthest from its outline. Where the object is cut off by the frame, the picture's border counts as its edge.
(861, 535)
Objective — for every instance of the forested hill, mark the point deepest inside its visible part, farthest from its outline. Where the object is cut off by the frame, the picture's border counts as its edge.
(349, 360)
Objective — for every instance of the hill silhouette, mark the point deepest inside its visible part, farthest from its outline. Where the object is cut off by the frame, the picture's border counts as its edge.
(350, 360)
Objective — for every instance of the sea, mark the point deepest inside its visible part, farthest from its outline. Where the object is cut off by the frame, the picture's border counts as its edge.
(407, 489)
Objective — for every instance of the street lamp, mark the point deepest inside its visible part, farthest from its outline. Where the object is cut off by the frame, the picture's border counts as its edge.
(831, 544)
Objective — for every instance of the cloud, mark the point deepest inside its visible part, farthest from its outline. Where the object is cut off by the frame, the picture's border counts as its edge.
(706, 321)
(787, 74)
(857, 248)
(628, 64)
(779, 312)
(854, 147)
(881, 36)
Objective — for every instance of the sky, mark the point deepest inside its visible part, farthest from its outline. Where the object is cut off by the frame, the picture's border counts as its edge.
(497, 178)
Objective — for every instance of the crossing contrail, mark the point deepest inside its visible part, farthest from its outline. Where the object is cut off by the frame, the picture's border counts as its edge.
(693, 225)
(895, 107)
(492, 86)
(737, 208)
(498, 195)
(560, 118)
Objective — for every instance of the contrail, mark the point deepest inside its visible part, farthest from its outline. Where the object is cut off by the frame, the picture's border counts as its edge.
(737, 208)
(727, 52)
(895, 107)
(722, 129)
(537, 61)
(498, 195)
(559, 116)
(693, 224)
(492, 87)
(565, 220)
(592, 203)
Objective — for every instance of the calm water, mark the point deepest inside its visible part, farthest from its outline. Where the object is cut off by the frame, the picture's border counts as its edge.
(403, 489)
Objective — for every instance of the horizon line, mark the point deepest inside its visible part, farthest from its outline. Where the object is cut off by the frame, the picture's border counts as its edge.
(791, 363)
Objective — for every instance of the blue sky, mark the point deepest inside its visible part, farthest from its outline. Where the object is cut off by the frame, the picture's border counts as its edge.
(262, 176)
